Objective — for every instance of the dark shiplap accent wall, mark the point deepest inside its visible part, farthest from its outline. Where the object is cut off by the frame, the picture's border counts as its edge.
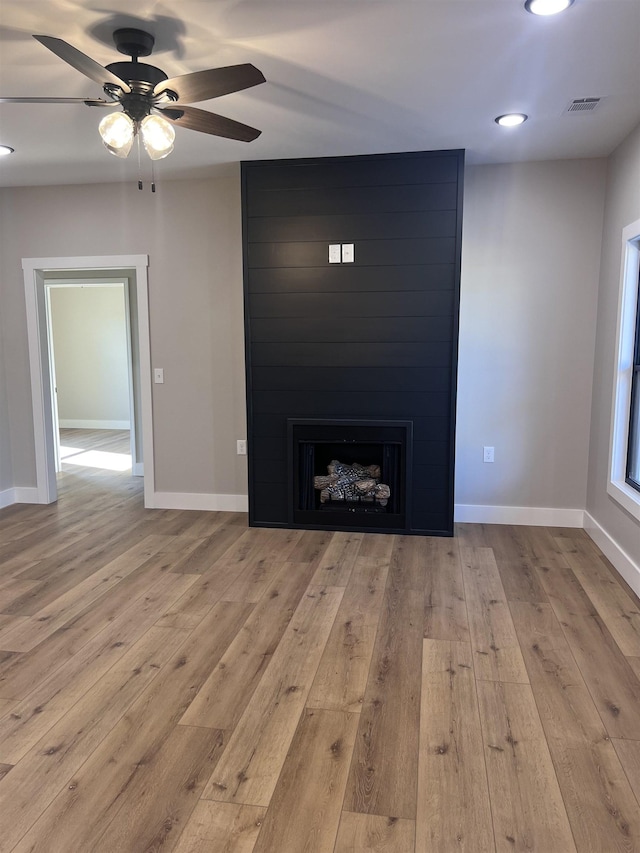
(373, 339)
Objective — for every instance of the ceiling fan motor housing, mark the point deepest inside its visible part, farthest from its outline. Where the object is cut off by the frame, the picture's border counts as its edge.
(133, 42)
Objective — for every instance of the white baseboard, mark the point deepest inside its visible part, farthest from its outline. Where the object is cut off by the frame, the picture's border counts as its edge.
(211, 503)
(7, 497)
(532, 516)
(19, 495)
(138, 469)
(71, 423)
(623, 563)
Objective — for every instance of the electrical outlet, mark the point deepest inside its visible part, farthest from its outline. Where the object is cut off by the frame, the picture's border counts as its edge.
(241, 446)
(488, 454)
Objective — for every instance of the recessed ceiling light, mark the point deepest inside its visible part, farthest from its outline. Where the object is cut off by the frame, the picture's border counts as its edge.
(547, 7)
(4, 149)
(511, 119)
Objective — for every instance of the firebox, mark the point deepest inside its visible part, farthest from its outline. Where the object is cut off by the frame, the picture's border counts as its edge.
(350, 474)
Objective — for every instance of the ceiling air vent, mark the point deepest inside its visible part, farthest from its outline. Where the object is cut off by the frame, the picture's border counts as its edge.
(583, 105)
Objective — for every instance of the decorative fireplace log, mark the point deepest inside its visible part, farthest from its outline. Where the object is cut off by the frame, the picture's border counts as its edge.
(352, 483)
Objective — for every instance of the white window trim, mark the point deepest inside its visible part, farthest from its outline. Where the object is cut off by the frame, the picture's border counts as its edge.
(622, 492)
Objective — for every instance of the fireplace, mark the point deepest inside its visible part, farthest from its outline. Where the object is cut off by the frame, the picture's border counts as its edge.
(349, 474)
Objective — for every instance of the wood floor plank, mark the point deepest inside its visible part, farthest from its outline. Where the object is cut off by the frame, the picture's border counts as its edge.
(312, 783)
(149, 590)
(196, 656)
(31, 718)
(608, 675)
(140, 732)
(210, 550)
(250, 765)
(496, 651)
(634, 663)
(516, 563)
(48, 619)
(526, 805)
(334, 568)
(263, 566)
(629, 754)
(224, 696)
(384, 770)
(600, 804)
(618, 610)
(161, 794)
(367, 833)
(453, 811)
(311, 546)
(445, 609)
(12, 589)
(48, 766)
(341, 678)
(221, 827)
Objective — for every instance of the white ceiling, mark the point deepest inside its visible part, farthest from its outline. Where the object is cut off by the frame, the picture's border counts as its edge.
(343, 77)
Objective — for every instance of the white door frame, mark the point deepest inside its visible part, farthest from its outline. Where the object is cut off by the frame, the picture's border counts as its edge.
(35, 272)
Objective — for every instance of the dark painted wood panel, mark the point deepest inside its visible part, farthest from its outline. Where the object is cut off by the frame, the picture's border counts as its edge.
(372, 340)
(430, 452)
(358, 330)
(271, 429)
(347, 200)
(353, 278)
(357, 355)
(273, 470)
(351, 404)
(402, 225)
(437, 250)
(431, 429)
(271, 498)
(337, 172)
(432, 303)
(370, 379)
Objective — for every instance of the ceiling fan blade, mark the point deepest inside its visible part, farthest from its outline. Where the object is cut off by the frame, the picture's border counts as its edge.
(81, 62)
(207, 122)
(90, 102)
(202, 85)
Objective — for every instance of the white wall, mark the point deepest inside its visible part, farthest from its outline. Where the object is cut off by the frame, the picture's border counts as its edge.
(616, 529)
(191, 231)
(530, 261)
(90, 350)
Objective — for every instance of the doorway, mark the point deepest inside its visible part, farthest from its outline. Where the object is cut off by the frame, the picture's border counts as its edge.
(39, 274)
(88, 333)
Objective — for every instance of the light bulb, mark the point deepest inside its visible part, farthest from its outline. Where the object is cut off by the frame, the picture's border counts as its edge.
(5, 149)
(117, 131)
(547, 7)
(511, 119)
(158, 136)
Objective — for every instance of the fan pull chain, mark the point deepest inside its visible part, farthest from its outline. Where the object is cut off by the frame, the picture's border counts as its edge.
(139, 164)
(153, 177)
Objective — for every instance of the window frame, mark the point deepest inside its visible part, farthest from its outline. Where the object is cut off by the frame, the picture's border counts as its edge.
(618, 487)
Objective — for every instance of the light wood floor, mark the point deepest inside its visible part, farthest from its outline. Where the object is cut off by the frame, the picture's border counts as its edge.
(176, 681)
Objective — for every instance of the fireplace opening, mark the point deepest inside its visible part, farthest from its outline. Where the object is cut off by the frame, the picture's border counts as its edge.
(349, 474)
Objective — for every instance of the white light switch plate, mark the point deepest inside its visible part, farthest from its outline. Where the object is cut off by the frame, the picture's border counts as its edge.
(334, 253)
(158, 375)
(347, 253)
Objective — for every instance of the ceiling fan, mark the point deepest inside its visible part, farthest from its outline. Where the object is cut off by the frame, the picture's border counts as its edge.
(151, 101)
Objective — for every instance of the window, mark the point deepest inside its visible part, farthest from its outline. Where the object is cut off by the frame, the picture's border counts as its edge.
(633, 450)
(624, 477)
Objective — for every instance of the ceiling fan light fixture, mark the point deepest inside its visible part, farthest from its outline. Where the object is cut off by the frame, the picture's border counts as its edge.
(158, 136)
(547, 7)
(5, 149)
(511, 119)
(117, 131)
